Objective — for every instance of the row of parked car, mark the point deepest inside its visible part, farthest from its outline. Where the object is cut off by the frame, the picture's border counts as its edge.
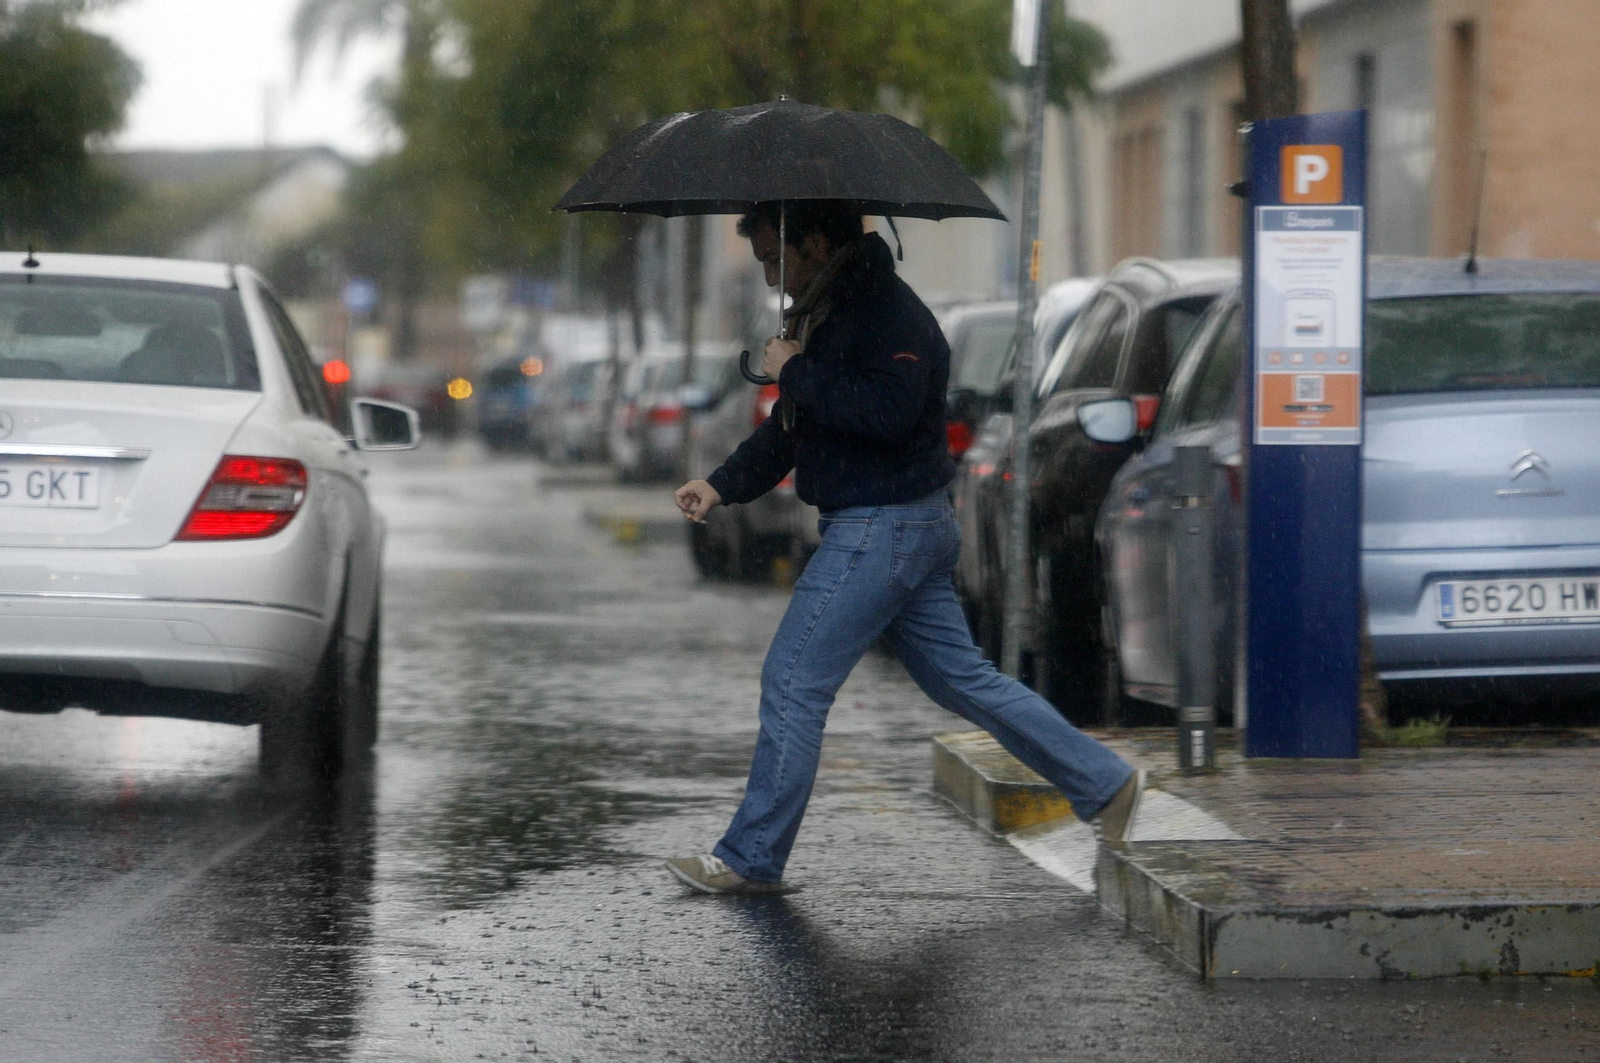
(1481, 469)
(1480, 473)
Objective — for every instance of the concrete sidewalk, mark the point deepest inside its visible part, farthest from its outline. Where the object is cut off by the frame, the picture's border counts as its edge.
(1479, 858)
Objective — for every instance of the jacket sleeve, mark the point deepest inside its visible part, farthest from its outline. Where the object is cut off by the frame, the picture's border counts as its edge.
(757, 465)
(878, 390)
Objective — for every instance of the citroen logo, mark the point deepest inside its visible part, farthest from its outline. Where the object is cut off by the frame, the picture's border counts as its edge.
(6, 424)
(1530, 461)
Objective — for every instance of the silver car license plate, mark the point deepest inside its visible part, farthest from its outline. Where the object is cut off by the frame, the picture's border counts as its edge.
(1504, 602)
(49, 485)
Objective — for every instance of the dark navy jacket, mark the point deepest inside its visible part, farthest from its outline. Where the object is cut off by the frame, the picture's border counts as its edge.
(869, 427)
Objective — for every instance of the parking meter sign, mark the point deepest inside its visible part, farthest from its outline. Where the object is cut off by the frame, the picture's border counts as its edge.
(1305, 295)
(1312, 173)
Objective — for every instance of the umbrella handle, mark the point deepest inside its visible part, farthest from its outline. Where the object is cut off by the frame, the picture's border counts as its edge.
(748, 374)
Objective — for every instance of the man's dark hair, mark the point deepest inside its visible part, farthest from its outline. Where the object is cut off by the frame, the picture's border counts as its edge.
(838, 222)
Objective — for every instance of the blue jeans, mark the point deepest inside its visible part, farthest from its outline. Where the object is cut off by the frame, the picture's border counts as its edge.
(885, 570)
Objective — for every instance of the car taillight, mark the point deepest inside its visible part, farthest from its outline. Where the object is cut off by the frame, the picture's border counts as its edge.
(665, 414)
(766, 399)
(246, 498)
(1145, 408)
(958, 436)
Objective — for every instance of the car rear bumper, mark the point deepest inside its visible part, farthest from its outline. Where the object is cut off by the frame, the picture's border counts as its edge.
(217, 647)
(1410, 643)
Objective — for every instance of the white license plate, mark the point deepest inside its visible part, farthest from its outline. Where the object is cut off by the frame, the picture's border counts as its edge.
(1501, 602)
(49, 485)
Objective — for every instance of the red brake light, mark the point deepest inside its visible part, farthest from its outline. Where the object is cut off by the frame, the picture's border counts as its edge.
(958, 436)
(1145, 408)
(766, 399)
(665, 414)
(246, 498)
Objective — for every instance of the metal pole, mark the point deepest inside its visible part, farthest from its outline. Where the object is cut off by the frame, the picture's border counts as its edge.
(1018, 568)
(1197, 647)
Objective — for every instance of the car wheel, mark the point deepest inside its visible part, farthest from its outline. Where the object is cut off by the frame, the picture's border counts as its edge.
(364, 697)
(1067, 650)
(325, 729)
(757, 554)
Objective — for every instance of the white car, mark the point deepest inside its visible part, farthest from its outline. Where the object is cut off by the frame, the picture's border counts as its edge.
(184, 531)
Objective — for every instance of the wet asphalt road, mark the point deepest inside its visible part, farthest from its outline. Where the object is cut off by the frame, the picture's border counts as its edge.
(561, 712)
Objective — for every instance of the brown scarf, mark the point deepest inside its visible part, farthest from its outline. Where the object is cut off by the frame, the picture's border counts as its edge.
(810, 310)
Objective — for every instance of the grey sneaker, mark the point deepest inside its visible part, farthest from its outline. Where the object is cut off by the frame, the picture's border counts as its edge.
(1116, 819)
(710, 875)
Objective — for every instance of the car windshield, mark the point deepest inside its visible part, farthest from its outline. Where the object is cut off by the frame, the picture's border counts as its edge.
(983, 355)
(1483, 343)
(124, 332)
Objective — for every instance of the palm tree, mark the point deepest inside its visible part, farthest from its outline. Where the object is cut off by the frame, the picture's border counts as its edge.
(418, 21)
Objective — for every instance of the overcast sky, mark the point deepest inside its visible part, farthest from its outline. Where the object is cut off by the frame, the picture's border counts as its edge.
(210, 66)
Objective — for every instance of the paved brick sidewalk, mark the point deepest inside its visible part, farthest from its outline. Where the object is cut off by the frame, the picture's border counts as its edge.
(1453, 825)
(1475, 858)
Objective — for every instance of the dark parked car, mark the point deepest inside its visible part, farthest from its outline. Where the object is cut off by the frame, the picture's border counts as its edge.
(742, 542)
(1480, 484)
(979, 490)
(980, 337)
(1121, 345)
(509, 395)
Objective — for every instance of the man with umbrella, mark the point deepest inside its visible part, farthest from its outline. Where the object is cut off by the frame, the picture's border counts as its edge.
(863, 369)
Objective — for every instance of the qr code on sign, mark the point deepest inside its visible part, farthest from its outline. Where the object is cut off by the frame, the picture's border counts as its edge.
(1308, 388)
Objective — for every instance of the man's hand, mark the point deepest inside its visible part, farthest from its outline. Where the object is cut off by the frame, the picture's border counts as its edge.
(695, 499)
(777, 353)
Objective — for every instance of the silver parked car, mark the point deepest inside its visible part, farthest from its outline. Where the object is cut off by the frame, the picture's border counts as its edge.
(183, 530)
(1480, 483)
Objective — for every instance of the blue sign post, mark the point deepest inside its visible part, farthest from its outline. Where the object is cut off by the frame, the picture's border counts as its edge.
(1305, 314)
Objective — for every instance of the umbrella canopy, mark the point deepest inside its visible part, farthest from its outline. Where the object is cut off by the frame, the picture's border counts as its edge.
(726, 161)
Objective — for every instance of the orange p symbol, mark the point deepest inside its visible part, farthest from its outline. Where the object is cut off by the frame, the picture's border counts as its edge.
(1312, 173)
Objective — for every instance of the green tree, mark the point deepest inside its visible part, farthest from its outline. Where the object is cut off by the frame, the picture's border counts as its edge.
(61, 87)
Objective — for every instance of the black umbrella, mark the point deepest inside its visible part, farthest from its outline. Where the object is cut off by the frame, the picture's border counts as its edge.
(726, 161)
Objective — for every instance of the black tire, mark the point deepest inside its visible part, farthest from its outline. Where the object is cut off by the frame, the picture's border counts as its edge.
(364, 702)
(989, 631)
(756, 555)
(1067, 656)
(710, 557)
(331, 725)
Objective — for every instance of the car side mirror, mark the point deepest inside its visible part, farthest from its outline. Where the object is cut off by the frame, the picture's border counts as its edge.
(384, 425)
(696, 397)
(1109, 420)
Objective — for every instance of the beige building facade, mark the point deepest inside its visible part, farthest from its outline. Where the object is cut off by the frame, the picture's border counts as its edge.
(1456, 90)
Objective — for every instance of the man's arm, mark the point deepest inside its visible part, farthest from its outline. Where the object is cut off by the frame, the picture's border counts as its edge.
(757, 465)
(880, 393)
